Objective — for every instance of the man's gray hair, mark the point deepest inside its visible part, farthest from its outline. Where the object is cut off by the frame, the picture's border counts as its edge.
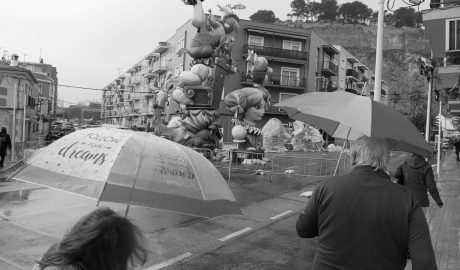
(371, 152)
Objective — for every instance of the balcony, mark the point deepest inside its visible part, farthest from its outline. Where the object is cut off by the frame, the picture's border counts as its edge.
(277, 52)
(159, 67)
(149, 73)
(330, 50)
(134, 112)
(353, 75)
(280, 81)
(330, 68)
(453, 107)
(326, 85)
(162, 46)
(443, 3)
(453, 58)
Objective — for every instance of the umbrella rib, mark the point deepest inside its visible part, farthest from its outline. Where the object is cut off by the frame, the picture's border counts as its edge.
(138, 165)
(194, 172)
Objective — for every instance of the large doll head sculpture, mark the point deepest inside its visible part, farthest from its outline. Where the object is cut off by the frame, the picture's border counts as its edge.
(248, 105)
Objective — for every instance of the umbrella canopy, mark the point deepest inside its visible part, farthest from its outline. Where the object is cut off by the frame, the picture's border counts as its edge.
(134, 168)
(346, 115)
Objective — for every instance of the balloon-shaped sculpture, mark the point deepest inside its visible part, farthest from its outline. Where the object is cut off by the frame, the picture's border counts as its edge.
(275, 136)
(299, 143)
(314, 138)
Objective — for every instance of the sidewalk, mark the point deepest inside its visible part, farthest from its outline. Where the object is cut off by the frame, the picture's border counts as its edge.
(444, 222)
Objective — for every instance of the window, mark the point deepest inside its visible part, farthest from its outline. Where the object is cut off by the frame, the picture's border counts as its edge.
(3, 91)
(180, 44)
(453, 35)
(256, 41)
(290, 76)
(284, 96)
(2, 102)
(292, 45)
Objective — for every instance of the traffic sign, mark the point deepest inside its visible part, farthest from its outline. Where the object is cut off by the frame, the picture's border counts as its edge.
(455, 121)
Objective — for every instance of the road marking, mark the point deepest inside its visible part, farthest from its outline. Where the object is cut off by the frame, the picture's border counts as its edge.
(5, 260)
(230, 236)
(169, 262)
(280, 215)
(49, 211)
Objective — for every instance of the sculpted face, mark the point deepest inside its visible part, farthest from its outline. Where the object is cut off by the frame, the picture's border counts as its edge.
(255, 113)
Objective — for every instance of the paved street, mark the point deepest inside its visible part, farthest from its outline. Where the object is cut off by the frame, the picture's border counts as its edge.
(33, 217)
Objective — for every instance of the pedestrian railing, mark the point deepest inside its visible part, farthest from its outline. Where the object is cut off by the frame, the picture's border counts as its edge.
(270, 164)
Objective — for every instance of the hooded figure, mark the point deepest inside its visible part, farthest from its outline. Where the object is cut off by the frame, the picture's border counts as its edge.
(417, 175)
(5, 142)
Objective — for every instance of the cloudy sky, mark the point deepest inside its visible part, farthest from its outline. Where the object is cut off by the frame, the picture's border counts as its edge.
(90, 41)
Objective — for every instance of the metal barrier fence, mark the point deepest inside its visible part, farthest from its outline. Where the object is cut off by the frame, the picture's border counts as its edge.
(271, 164)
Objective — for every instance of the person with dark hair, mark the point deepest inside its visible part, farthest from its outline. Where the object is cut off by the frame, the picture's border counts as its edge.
(365, 221)
(417, 175)
(5, 143)
(101, 240)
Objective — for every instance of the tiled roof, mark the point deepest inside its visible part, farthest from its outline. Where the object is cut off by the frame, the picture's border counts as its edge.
(17, 69)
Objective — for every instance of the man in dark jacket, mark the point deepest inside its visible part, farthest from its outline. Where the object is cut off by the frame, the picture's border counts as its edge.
(365, 221)
(417, 175)
(457, 146)
(5, 142)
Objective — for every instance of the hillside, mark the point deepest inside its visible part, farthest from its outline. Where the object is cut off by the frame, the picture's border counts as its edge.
(402, 48)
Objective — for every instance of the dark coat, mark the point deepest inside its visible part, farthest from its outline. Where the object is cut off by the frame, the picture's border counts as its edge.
(417, 175)
(365, 221)
(5, 142)
(456, 143)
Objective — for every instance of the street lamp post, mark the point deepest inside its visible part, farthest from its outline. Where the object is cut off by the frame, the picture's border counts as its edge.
(379, 52)
(438, 158)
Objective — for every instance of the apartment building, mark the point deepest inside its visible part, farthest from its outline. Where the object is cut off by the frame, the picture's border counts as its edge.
(46, 75)
(18, 99)
(128, 100)
(442, 24)
(301, 61)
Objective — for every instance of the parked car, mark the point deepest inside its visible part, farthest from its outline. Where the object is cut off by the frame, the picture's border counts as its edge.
(445, 143)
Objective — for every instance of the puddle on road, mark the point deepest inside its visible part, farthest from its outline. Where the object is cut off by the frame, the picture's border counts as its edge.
(17, 195)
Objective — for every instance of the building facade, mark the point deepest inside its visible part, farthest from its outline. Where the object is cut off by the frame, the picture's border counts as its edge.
(18, 100)
(47, 81)
(301, 61)
(442, 24)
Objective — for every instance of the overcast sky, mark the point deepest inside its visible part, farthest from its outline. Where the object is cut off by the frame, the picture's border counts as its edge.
(88, 41)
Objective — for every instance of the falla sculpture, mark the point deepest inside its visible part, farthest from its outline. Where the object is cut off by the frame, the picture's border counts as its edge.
(199, 89)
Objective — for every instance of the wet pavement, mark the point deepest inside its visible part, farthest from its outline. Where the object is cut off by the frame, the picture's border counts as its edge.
(32, 218)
